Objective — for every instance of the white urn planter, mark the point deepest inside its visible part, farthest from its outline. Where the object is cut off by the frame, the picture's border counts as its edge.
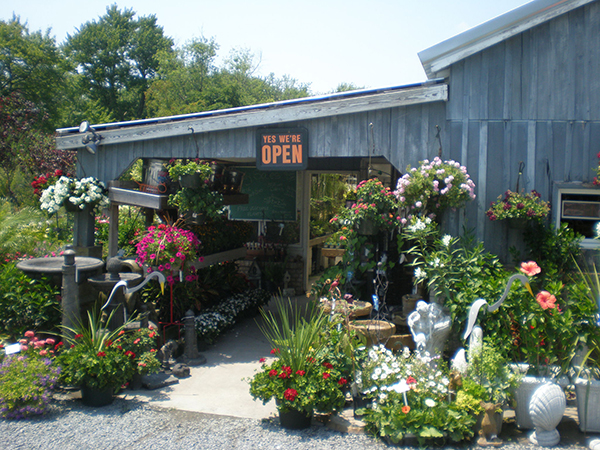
(588, 399)
(546, 409)
(523, 394)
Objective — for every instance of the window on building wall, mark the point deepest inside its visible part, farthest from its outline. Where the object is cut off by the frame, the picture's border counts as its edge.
(580, 209)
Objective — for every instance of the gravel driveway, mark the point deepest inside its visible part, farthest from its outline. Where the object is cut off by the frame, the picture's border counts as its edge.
(131, 424)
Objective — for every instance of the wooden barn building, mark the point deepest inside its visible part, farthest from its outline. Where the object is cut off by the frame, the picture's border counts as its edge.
(523, 87)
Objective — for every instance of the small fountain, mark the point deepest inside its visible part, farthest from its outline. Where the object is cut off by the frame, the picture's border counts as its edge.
(108, 283)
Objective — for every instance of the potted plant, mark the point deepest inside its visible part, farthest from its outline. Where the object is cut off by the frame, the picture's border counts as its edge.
(167, 248)
(195, 200)
(300, 378)
(74, 195)
(140, 345)
(375, 209)
(518, 208)
(190, 173)
(587, 369)
(413, 397)
(94, 361)
(433, 187)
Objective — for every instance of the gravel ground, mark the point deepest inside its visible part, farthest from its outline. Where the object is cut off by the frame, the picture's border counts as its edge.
(129, 424)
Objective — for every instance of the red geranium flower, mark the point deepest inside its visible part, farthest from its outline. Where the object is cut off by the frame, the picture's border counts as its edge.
(290, 394)
(130, 354)
(300, 373)
(101, 354)
(326, 375)
(77, 336)
(342, 381)
(328, 365)
(275, 350)
(273, 373)
(262, 360)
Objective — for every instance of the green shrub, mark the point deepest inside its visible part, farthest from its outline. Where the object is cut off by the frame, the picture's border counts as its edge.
(26, 304)
(25, 386)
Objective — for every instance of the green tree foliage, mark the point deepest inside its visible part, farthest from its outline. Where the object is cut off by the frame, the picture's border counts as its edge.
(31, 64)
(24, 147)
(189, 82)
(117, 57)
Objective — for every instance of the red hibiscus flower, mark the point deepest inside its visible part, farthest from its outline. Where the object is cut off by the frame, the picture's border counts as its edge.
(290, 394)
(130, 354)
(262, 360)
(77, 336)
(326, 375)
(300, 373)
(275, 350)
(273, 373)
(342, 381)
(101, 354)
(406, 409)
(546, 300)
(328, 365)
(530, 268)
(411, 380)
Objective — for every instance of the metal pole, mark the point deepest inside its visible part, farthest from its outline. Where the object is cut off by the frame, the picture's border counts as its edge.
(70, 292)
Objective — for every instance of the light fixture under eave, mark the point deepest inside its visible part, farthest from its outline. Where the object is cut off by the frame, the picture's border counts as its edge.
(91, 140)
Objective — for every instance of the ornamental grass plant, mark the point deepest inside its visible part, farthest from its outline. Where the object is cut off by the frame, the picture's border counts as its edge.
(92, 357)
(300, 378)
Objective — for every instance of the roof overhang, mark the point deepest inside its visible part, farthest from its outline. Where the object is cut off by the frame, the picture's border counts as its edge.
(259, 115)
(437, 60)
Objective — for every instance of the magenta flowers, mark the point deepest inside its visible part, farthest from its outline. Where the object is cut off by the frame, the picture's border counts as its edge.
(166, 245)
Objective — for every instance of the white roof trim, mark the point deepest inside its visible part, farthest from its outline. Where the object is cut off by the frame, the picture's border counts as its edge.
(441, 56)
(268, 114)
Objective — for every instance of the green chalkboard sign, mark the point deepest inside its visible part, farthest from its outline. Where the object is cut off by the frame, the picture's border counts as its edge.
(272, 196)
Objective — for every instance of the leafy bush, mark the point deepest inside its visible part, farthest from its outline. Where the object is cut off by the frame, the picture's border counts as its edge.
(26, 382)
(25, 303)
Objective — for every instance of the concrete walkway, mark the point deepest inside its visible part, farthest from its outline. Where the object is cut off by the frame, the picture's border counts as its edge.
(220, 386)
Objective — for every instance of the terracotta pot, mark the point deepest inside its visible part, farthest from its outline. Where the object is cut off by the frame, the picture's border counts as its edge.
(376, 331)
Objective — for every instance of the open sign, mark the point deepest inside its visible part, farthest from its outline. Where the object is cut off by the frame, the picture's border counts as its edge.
(282, 149)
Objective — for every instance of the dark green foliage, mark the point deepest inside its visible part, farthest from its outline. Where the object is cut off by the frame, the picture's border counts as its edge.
(26, 304)
(554, 249)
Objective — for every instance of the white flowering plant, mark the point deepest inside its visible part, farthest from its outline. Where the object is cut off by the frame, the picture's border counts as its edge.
(74, 194)
(414, 394)
(433, 187)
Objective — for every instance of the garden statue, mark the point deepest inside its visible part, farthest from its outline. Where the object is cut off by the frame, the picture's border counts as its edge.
(546, 407)
(430, 326)
(488, 434)
(479, 303)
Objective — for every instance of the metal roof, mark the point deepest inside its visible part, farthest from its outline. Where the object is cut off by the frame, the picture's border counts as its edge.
(437, 59)
(260, 115)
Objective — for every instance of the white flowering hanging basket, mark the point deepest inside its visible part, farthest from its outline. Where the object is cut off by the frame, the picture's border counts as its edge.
(74, 195)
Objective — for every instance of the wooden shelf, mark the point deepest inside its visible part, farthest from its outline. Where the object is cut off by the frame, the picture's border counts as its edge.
(125, 196)
(216, 258)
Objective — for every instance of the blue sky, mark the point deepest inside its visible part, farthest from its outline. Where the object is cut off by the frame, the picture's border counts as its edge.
(369, 43)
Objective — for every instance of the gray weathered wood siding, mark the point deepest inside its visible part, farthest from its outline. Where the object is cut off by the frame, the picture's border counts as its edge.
(533, 98)
(403, 135)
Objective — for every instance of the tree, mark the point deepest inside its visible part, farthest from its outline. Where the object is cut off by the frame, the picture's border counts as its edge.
(31, 64)
(24, 148)
(117, 56)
